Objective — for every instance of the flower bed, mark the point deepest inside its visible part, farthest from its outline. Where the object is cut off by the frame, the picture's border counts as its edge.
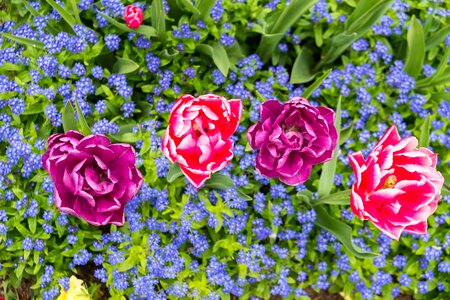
(147, 192)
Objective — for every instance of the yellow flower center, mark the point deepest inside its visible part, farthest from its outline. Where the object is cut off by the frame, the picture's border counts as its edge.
(390, 182)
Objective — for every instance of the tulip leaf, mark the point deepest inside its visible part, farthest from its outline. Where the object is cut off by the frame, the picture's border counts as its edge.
(148, 31)
(68, 118)
(424, 140)
(301, 70)
(76, 14)
(341, 231)
(219, 55)
(416, 48)
(346, 133)
(315, 85)
(437, 38)
(219, 181)
(366, 13)
(159, 17)
(83, 125)
(329, 168)
(174, 172)
(125, 66)
(34, 12)
(440, 76)
(63, 12)
(23, 41)
(288, 17)
(339, 198)
(204, 7)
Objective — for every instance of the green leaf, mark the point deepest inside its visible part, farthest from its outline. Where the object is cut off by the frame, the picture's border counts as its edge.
(159, 17)
(23, 41)
(32, 224)
(303, 65)
(329, 168)
(339, 198)
(131, 260)
(416, 48)
(63, 12)
(440, 76)
(288, 17)
(366, 13)
(243, 195)
(174, 172)
(341, 231)
(83, 125)
(437, 38)
(346, 133)
(125, 134)
(30, 8)
(219, 181)
(315, 85)
(148, 31)
(68, 118)
(76, 14)
(219, 55)
(124, 66)
(204, 7)
(424, 140)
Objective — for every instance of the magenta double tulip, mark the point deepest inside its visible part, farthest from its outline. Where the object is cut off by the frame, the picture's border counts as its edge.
(292, 137)
(93, 178)
(397, 187)
(198, 135)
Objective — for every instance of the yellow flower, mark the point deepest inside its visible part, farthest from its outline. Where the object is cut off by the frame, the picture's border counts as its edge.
(76, 291)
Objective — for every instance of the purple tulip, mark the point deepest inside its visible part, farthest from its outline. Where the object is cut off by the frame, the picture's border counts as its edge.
(292, 137)
(93, 178)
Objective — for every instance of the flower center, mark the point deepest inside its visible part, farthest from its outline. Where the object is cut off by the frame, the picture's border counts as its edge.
(390, 182)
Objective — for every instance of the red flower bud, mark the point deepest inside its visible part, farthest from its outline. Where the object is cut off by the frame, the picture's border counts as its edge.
(133, 16)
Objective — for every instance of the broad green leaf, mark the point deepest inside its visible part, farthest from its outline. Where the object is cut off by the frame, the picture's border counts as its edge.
(83, 125)
(341, 231)
(339, 198)
(219, 181)
(125, 134)
(23, 41)
(440, 76)
(204, 7)
(63, 12)
(76, 14)
(416, 48)
(424, 140)
(366, 13)
(345, 134)
(30, 8)
(33, 109)
(437, 38)
(68, 118)
(303, 65)
(174, 172)
(288, 17)
(32, 223)
(188, 6)
(159, 17)
(329, 168)
(148, 31)
(315, 85)
(441, 96)
(219, 55)
(124, 66)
